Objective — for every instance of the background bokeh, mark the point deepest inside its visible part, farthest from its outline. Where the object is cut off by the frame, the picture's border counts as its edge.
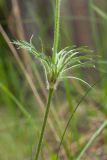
(23, 89)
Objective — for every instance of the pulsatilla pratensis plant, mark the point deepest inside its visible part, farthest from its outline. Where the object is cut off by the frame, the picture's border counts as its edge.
(57, 65)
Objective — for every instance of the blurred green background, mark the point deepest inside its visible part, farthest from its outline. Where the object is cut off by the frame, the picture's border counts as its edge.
(23, 89)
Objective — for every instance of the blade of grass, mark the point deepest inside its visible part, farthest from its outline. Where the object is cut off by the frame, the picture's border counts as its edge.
(94, 28)
(75, 109)
(21, 34)
(21, 107)
(31, 84)
(100, 12)
(92, 139)
(68, 95)
(14, 52)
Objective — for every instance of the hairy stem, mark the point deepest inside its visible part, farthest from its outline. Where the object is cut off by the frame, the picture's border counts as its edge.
(56, 29)
(89, 143)
(44, 123)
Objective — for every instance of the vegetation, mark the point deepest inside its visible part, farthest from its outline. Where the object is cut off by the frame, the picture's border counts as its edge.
(23, 124)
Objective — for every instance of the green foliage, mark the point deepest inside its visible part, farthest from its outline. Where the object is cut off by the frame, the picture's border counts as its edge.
(14, 92)
(67, 59)
(56, 66)
(92, 139)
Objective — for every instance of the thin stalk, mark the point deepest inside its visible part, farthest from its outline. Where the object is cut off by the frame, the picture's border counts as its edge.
(31, 84)
(93, 21)
(73, 112)
(15, 100)
(56, 30)
(44, 122)
(90, 142)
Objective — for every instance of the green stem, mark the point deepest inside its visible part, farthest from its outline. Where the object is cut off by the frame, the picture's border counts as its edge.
(44, 123)
(56, 30)
(100, 129)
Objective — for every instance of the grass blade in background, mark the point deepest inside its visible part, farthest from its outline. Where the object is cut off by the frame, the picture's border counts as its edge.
(92, 139)
(33, 22)
(74, 111)
(32, 86)
(21, 107)
(99, 12)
